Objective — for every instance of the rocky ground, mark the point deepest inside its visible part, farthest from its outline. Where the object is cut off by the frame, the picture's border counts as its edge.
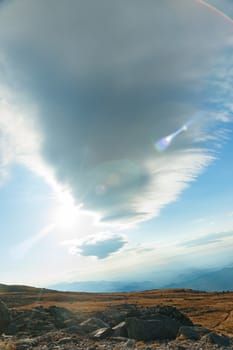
(118, 327)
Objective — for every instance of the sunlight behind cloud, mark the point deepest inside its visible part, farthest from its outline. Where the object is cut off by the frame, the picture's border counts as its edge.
(21, 141)
(66, 213)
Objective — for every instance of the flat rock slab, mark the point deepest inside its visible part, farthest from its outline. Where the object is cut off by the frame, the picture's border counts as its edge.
(102, 333)
(120, 330)
(92, 324)
(152, 329)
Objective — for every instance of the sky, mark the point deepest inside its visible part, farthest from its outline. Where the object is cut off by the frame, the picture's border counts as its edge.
(115, 139)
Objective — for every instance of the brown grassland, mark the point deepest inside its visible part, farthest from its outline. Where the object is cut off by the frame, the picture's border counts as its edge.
(211, 310)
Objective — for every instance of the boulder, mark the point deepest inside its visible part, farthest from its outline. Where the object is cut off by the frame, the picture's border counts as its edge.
(193, 333)
(118, 313)
(120, 330)
(39, 313)
(74, 330)
(59, 315)
(31, 322)
(170, 312)
(64, 341)
(102, 333)
(214, 338)
(92, 324)
(5, 317)
(71, 323)
(25, 344)
(163, 328)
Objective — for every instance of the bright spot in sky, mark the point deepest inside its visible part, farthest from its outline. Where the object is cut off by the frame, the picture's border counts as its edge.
(166, 141)
(64, 217)
(66, 213)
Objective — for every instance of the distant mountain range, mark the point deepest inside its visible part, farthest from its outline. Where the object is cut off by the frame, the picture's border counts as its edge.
(210, 281)
(104, 286)
(221, 280)
(216, 281)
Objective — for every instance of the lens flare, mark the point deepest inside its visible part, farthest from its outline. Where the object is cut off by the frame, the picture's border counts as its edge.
(215, 10)
(162, 144)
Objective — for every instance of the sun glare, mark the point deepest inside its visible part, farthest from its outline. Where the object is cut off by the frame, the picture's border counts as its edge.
(66, 213)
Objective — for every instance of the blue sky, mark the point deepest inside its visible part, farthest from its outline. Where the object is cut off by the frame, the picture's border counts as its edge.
(115, 139)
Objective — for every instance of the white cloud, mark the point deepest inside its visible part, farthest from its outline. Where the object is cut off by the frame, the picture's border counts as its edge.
(21, 141)
(101, 245)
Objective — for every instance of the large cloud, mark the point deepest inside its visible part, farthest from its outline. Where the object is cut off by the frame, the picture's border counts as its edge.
(110, 78)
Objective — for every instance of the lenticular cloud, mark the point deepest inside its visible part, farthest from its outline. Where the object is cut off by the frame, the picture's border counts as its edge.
(108, 85)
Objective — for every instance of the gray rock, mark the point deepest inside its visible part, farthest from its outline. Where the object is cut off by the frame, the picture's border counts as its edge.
(59, 315)
(186, 332)
(130, 344)
(5, 317)
(102, 333)
(51, 345)
(77, 330)
(170, 312)
(120, 330)
(64, 341)
(119, 339)
(214, 338)
(194, 333)
(177, 347)
(12, 328)
(92, 324)
(163, 328)
(25, 344)
(71, 322)
(117, 314)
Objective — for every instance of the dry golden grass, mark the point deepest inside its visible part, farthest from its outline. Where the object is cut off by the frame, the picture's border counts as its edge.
(212, 310)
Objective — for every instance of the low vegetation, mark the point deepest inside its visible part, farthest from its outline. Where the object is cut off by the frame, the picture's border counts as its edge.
(211, 310)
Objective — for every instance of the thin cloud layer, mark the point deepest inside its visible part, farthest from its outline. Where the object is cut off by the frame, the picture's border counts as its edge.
(218, 237)
(109, 80)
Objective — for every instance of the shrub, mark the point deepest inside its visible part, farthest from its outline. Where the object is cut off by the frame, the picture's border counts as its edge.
(6, 346)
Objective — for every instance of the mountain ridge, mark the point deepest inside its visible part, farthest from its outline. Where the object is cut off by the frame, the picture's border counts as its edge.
(212, 281)
(209, 281)
(216, 281)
